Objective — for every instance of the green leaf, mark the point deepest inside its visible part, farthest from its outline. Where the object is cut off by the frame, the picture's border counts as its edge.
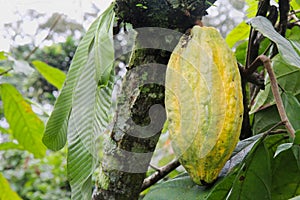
(53, 75)
(285, 48)
(240, 52)
(6, 193)
(5, 130)
(55, 134)
(296, 46)
(222, 189)
(252, 8)
(297, 137)
(296, 152)
(295, 4)
(26, 127)
(239, 33)
(180, 188)
(103, 47)
(273, 141)
(292, 108)
(265, 119)
(89, 117)
(3, 56)
(10, 145)
(293, 34)
(254, 176)
(286, 173)
(283, 147)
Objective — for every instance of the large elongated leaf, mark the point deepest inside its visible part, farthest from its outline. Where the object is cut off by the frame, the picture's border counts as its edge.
(55, 135)
(285, 48)
(6, 193)
(51, 74)
(90, 110)
(26, 127)
(104, 47)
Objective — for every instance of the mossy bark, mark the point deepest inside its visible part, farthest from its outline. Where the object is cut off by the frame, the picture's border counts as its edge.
(127, 157)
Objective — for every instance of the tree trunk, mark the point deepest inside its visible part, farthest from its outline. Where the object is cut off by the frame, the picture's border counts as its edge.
(139, 120)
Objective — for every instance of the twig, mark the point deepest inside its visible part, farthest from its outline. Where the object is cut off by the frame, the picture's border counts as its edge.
(254, 77)
(158, 175)
(279, 131)
(294, 17)
(47, 36)
(268, 132)
(6, 71)
(275, 90)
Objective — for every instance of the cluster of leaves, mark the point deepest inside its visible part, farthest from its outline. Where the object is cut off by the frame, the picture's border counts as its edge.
(261, 172)
(32, 178)
(21, 137)
(267, 165)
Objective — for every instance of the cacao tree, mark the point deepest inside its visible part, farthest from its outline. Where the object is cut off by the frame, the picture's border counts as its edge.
(83, 109)
(112, 128)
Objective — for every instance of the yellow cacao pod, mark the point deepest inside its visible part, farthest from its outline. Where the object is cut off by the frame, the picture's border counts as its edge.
(204, 103)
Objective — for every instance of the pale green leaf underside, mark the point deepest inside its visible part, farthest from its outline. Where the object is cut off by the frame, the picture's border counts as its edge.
(285, 48)
(89, 118)
(90, 111)
(55, 135)
(104, 47)
(26, 127)
(53, 75)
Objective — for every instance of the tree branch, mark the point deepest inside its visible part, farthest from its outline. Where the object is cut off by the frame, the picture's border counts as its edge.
(6, 71)
(159, 174)
(45, 38)
(275, 90)
(284, 8)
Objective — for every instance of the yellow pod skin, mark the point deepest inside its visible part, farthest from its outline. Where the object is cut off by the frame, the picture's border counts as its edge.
(204, 103)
